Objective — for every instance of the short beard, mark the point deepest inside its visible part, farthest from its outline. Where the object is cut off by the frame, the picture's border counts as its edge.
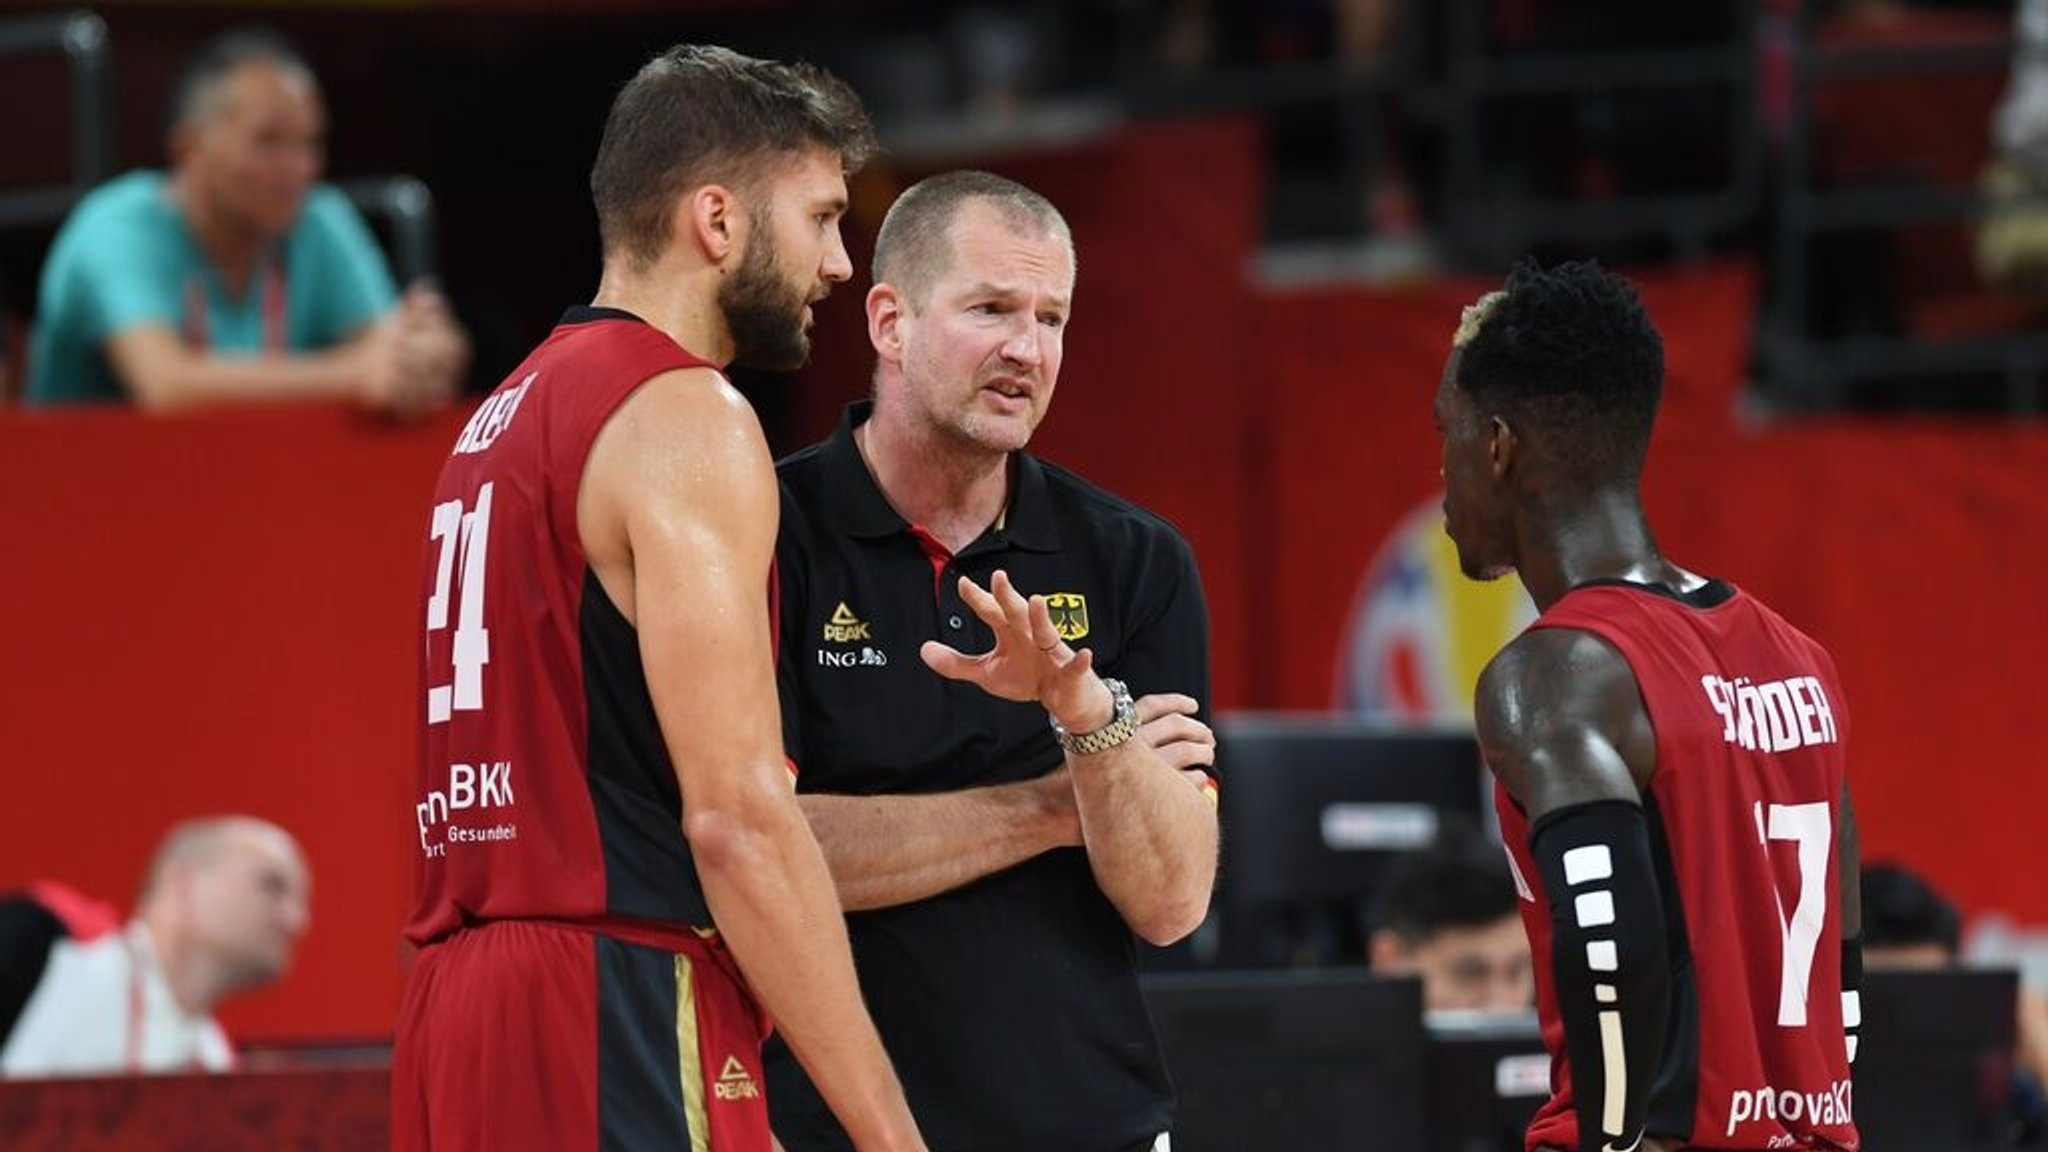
(763, 313)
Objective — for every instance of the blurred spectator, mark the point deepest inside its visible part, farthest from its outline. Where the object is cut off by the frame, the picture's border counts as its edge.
(235, 276)
(1359, 36)
(1908, 924)
(2012, 244)
(223, 905)
(1912, 127)
(1449, 914)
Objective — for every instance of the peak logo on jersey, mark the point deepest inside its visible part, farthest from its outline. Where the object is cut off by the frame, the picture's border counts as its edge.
(1069, 614)
(844, 627)
(1420, 632)
(491, 420)
(734, 1082)
(1774, 716)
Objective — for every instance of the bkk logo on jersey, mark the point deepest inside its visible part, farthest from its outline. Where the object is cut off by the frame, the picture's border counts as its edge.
(1420, 632)
(471, 788)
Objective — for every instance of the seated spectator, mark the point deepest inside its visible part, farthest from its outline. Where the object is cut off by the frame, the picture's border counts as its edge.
(1449, 915)
(2012, 239)
(1908, 924)
(223, 905)
(234, 276)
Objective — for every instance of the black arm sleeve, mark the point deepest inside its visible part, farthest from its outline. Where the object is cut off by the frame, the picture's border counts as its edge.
(1609, 960)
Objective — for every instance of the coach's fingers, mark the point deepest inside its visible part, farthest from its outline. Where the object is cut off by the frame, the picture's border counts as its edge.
(1154, 705)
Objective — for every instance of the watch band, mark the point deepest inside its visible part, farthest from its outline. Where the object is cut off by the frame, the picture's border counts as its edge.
(1123, 724)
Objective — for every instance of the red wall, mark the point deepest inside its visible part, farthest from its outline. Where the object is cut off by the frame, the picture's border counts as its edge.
(217, 613)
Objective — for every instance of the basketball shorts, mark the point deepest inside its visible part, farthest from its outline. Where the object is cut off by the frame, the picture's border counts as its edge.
(521, 1034)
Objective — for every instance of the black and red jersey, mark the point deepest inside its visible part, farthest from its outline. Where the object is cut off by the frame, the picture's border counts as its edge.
(544, 789)
(1744, 808)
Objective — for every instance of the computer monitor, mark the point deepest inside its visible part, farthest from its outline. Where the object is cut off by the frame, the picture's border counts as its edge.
(1934, 1065)
(1487, 1074)
(1309, 1061)
(1314, 807)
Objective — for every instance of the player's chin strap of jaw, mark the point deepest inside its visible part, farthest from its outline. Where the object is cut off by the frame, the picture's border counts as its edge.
(1609, 960)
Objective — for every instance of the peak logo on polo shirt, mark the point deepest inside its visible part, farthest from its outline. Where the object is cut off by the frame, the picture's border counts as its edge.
(1069, 614)
(734, 1082)
(844, 627)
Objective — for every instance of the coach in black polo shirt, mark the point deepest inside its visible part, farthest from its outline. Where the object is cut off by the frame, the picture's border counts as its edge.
(997, 872)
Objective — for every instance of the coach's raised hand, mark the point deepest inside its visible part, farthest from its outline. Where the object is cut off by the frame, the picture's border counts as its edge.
(1029, 661)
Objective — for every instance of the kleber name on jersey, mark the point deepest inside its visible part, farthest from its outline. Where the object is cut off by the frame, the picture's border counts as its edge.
(492, 418)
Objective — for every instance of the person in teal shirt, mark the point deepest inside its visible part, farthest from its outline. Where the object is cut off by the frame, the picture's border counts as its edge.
(234, 275)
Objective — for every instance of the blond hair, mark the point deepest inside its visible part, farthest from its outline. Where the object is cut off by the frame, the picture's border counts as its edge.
(1474, 317)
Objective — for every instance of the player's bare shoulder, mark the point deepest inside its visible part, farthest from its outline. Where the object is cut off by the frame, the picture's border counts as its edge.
(1558, 712)
(678, 414)
(680, 430)
(683, 451)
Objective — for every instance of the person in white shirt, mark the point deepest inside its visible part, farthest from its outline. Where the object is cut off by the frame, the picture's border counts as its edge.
(223, 906)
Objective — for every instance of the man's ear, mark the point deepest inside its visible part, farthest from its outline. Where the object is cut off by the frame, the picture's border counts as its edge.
(715, 220)
(886, 311)
(1502, 446)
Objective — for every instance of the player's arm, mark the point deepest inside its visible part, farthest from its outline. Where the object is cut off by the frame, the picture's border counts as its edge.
(1152, 851)
(1561, 722)
(679, 510)
(889, 850)
(1150, 832)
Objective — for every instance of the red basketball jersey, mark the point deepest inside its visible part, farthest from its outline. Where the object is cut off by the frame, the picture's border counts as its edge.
(544, 788)
(1744, 808)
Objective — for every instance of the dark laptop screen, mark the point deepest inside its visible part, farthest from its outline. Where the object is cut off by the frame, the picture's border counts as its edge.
(1307, 1061)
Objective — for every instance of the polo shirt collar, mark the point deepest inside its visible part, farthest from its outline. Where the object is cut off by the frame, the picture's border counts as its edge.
(860, 510)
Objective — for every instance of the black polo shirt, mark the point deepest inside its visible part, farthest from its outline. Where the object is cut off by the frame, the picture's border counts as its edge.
(1011, 1005)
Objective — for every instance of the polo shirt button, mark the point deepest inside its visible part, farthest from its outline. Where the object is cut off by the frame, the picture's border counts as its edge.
(953, 622)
